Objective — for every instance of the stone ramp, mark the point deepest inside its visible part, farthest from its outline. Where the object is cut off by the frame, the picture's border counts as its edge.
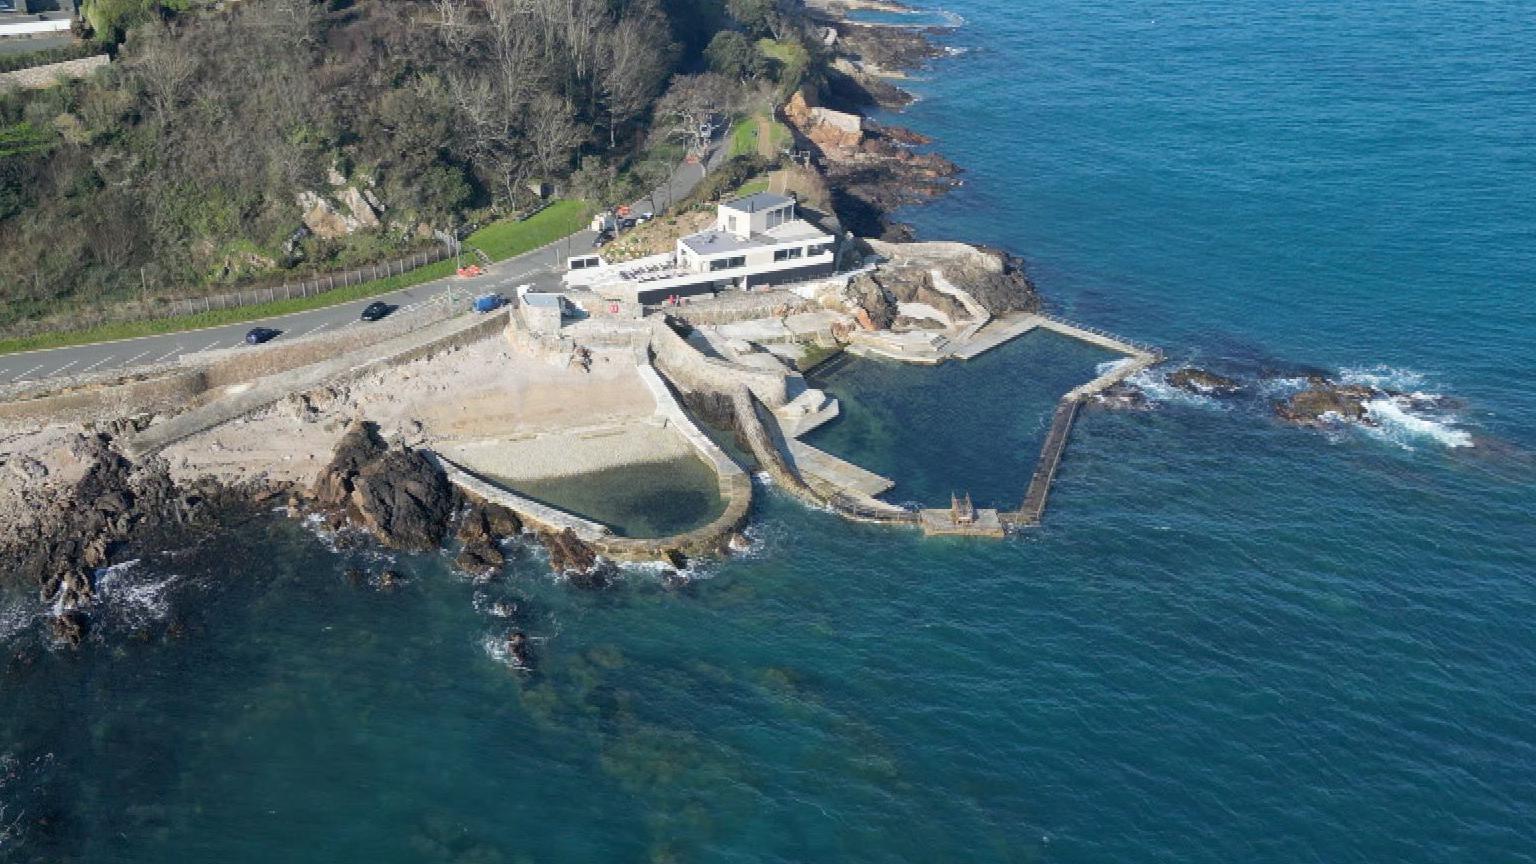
(997, 332)
(841, 475)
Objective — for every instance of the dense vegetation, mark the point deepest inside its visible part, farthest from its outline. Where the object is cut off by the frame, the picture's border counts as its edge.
(182, 165)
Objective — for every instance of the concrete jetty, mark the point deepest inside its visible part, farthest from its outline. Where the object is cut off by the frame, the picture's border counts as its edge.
(1033, 508)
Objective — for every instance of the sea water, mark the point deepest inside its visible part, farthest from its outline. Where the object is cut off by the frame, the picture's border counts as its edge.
(1232, 640)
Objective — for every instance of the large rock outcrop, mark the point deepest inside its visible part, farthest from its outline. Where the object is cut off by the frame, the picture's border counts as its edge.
(1203, 382)
(1324, 399)
(994, 278)
(396, 494)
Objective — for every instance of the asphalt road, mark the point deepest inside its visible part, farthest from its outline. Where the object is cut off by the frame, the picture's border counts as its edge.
(541, 267)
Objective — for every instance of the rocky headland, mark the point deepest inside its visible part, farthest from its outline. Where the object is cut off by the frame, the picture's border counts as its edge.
(872, 168)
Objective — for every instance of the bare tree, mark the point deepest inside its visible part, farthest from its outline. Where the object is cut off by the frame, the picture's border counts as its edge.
(638, 54)
(165, 67)
(552, 134)
(691, 105)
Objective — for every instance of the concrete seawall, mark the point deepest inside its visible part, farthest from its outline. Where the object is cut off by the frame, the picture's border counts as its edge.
(244, 398)
(170, 387)
(541, 516)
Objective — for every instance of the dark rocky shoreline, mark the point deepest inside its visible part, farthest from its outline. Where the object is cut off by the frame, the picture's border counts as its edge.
(389, 493)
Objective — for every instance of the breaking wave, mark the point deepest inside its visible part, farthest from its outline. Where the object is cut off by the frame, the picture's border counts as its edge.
(1382, 377)
(1155, 387)
(136, 601)
(1396, 422)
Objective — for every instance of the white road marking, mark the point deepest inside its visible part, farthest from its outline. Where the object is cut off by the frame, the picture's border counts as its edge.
(28, 372)
(206, 347)
(167, 355)
(61, 368)
(317, 329)
(97, 363)
(129, 361)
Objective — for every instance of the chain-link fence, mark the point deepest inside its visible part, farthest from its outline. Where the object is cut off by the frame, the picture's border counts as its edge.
(307, 287)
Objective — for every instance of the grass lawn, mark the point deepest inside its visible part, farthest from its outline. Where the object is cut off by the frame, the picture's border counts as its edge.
(508, 238)
(744, 135)
(751, 188)
(500, 240)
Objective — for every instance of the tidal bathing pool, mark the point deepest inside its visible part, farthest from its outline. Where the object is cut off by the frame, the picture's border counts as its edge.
(651, 499)
(974, 426)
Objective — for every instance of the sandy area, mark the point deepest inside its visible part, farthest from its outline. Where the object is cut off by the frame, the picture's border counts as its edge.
(454, 400)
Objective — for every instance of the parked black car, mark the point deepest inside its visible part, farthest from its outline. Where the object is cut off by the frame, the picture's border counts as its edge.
(376, 310)
(258, 335)
(627, 223)
(602, 240)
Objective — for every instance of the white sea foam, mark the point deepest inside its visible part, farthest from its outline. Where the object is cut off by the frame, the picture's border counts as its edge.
(1282, 387)
(1382, 377)
(495, 646)
(140, 601)
(1396, 422)
(14, 619)
(1159, 392)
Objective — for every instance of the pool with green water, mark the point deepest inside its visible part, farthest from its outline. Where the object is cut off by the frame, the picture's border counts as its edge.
(654, 499)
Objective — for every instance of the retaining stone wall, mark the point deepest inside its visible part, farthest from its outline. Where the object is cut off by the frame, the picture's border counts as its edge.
(47, 76)
(692, 371)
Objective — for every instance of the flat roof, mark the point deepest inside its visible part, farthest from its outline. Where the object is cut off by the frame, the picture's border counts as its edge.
(795, 229)
(713, 242)
(758, 202)
(540, 298)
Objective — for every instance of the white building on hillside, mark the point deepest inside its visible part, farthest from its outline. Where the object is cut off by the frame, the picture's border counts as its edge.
(757, 240)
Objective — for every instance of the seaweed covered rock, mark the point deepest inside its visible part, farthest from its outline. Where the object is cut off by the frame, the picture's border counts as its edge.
(1200, 381)
(1324, 399)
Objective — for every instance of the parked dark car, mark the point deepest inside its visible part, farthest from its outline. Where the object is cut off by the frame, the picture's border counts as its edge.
(626, 223)
(258, 335)
(489, 303)
(376, 310)
(602, 240)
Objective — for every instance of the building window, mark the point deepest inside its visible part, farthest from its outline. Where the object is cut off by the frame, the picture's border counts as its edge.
(730, 224)
(820, 249)
(727, 263)
(788, 254)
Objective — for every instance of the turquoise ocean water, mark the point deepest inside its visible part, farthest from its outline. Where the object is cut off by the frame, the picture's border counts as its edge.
(1231, 641)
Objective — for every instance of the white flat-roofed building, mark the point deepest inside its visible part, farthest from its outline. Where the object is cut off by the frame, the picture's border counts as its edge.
(757, 240)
